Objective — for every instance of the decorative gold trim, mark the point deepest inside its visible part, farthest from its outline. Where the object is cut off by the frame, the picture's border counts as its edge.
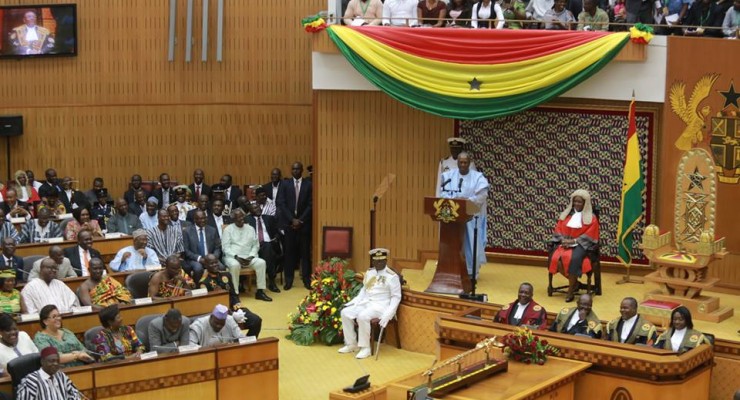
(154, 384)
(248, 368)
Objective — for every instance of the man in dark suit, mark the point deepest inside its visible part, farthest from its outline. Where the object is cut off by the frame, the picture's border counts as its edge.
(201, 204)
(216, 217)
(273, 187)
(71, 198)
(294, 205)
(199, 240)
(231, 192)
(133, 187)
(10, 261)
(164, 192)
(267, 234)
(80, 255)
(198, 188)
(12, 207)
(139, 204)
(52, 181)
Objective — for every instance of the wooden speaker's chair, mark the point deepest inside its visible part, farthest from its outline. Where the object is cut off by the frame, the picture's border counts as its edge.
(337, 242)
(594, 256)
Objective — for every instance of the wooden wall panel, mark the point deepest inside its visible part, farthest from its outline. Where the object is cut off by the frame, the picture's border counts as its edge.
(361, 137)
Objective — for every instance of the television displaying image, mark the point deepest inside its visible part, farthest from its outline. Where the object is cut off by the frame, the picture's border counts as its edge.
(38, 30)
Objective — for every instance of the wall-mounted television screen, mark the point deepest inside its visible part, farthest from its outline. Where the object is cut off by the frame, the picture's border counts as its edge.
(38, 30)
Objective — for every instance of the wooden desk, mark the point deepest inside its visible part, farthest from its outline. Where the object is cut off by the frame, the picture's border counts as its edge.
(229, 372)
(643, 372)
(554, 380)
(189, 306)
(107, 247)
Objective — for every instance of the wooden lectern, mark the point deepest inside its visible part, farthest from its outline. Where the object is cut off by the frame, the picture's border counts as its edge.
(451, 276)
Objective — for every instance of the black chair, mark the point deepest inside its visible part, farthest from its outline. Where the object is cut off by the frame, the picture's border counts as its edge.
(19, 367)
(138, 284)
(594, 255)
(90, 335)
(142, 328)
(28, 265)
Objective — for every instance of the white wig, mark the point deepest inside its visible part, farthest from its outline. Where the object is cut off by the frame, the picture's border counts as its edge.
(588, 213)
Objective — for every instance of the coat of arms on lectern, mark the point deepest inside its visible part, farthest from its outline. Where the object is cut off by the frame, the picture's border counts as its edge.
(446, 210)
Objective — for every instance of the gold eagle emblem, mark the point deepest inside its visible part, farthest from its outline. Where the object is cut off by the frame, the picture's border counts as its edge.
(689, 113)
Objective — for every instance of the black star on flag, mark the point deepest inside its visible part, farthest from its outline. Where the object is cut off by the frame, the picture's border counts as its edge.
(731, 96)
(475, 84)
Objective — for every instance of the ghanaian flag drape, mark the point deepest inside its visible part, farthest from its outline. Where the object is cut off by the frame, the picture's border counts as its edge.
(475, 73)
(633, 187)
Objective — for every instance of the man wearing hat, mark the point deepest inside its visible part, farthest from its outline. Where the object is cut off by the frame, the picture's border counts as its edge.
(378, 298)
(149, 217)
(123, 221)
(101, 210)
(182, 194)
(48, 383)
(446, 164)
(137, 256)
(215, 329)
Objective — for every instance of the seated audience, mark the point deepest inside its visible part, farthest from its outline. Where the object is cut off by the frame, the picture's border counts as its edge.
(378, 298)
(13, 343)
(620, 12)
(536, 9)
(136, 256)
(52, 181)
(165, 239)
(202, 205)
(71, 198)
(101, 211)
(122, 221)
(638, 11)
(732, 21)
(230, 193)
(269, 246)
(513, 11)
(702, 13)
(242, 203)
(579, 320)
(168, 332)
(215, 329)
(92, 195)
(175, 221)
(48, 382)
(116, 340)
(680, 335)
(64, 266)
(630, 327)
(216, 279)
(266, 204)
(133, 187)
(41, 229)
(486, 13)
(50, 200)
(592, 18)
(182, 196)
(241, 248)
(138, 206)
(71, 352)
(199, 187)
(82, 221)
(7, 230)
(399, 13)
(431, 13)
(149, 217)
(10, 297)
(27, 193)
(14, 208)
(47, 290)
(172, 281)
(164, 193)
(81, 254)
(523, 311)
(32, 180)
(459, 13)
(98, 291)
(217, 218)
(576, 232)
(363, 12)
(199, 240)
(10, 261)
(559, 18)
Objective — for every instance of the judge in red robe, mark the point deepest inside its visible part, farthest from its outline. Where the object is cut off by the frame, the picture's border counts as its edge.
(576, 233)
(523, 311)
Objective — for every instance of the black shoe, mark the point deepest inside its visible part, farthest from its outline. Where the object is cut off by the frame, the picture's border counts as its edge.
(307, 286)
(287, 286)
(273, 288)
(262, 296)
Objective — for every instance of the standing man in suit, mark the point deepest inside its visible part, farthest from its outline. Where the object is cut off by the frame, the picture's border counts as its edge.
(273, 187)
(231, 192)
(164, 193)
(217, 218)
(79, 256)
(52, 181)
(267, 235)
(133, 187)
(71, 198)
(200, 240)
(10, 261)
(198, 188)
(294, 205)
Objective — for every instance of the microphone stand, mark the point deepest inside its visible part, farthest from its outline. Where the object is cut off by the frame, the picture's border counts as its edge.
(473, 280)
(372, 222)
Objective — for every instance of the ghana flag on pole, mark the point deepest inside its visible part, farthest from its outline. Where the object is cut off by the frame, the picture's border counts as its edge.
(633, 187)
(475, 73)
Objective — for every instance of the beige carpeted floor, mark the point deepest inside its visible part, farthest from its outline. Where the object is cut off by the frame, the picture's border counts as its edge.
(312, 372)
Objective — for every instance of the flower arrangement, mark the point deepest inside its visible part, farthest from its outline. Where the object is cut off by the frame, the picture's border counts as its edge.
(313, 24)
(524, 346)
(641, 33)
(317, 317)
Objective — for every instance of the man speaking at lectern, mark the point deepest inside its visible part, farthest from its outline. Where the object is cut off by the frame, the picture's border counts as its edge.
(465, 183)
